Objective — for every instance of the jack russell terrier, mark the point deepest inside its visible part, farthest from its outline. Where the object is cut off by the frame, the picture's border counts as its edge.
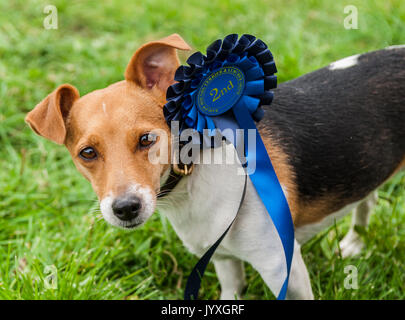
(334, 136)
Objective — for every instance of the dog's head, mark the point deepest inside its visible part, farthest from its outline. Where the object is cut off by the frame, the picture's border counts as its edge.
(110, 132)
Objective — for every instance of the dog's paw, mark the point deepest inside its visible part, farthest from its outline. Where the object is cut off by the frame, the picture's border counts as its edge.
(351, 245)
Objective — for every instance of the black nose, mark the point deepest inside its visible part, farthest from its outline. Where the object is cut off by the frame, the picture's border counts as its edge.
(127, 208)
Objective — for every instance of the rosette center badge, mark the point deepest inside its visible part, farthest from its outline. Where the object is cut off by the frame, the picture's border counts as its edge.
(220, 91)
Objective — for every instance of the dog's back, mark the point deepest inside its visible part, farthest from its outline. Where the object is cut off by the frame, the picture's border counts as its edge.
(342, 126)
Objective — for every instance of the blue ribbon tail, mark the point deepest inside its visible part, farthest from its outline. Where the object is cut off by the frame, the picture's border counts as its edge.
(268, 188)
(283, 291)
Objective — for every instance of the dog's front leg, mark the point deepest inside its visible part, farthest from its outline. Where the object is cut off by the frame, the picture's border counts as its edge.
(299, 285)
(231, 275)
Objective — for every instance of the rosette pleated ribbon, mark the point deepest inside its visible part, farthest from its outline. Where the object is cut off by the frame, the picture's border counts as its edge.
(227, 88)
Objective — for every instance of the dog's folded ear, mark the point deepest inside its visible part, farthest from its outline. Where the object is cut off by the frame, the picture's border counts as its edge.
(48, 118)
(153, 65)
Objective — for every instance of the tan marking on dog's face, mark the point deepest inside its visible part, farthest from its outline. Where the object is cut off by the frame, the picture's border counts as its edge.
(122, 164)
(110, 122)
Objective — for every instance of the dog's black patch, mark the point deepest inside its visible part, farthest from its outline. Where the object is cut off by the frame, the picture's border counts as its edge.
(343, 130)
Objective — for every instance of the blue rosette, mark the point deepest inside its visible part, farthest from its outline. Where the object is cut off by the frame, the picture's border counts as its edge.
(227, 88)
(244, 64)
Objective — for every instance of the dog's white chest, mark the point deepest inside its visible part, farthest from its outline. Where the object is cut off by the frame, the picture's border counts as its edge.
(203, 205)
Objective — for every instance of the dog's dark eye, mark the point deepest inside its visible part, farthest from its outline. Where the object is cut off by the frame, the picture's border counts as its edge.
(147, 139)
(88, 154)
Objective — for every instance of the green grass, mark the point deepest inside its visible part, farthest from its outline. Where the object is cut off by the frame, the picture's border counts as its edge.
(48, 211)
